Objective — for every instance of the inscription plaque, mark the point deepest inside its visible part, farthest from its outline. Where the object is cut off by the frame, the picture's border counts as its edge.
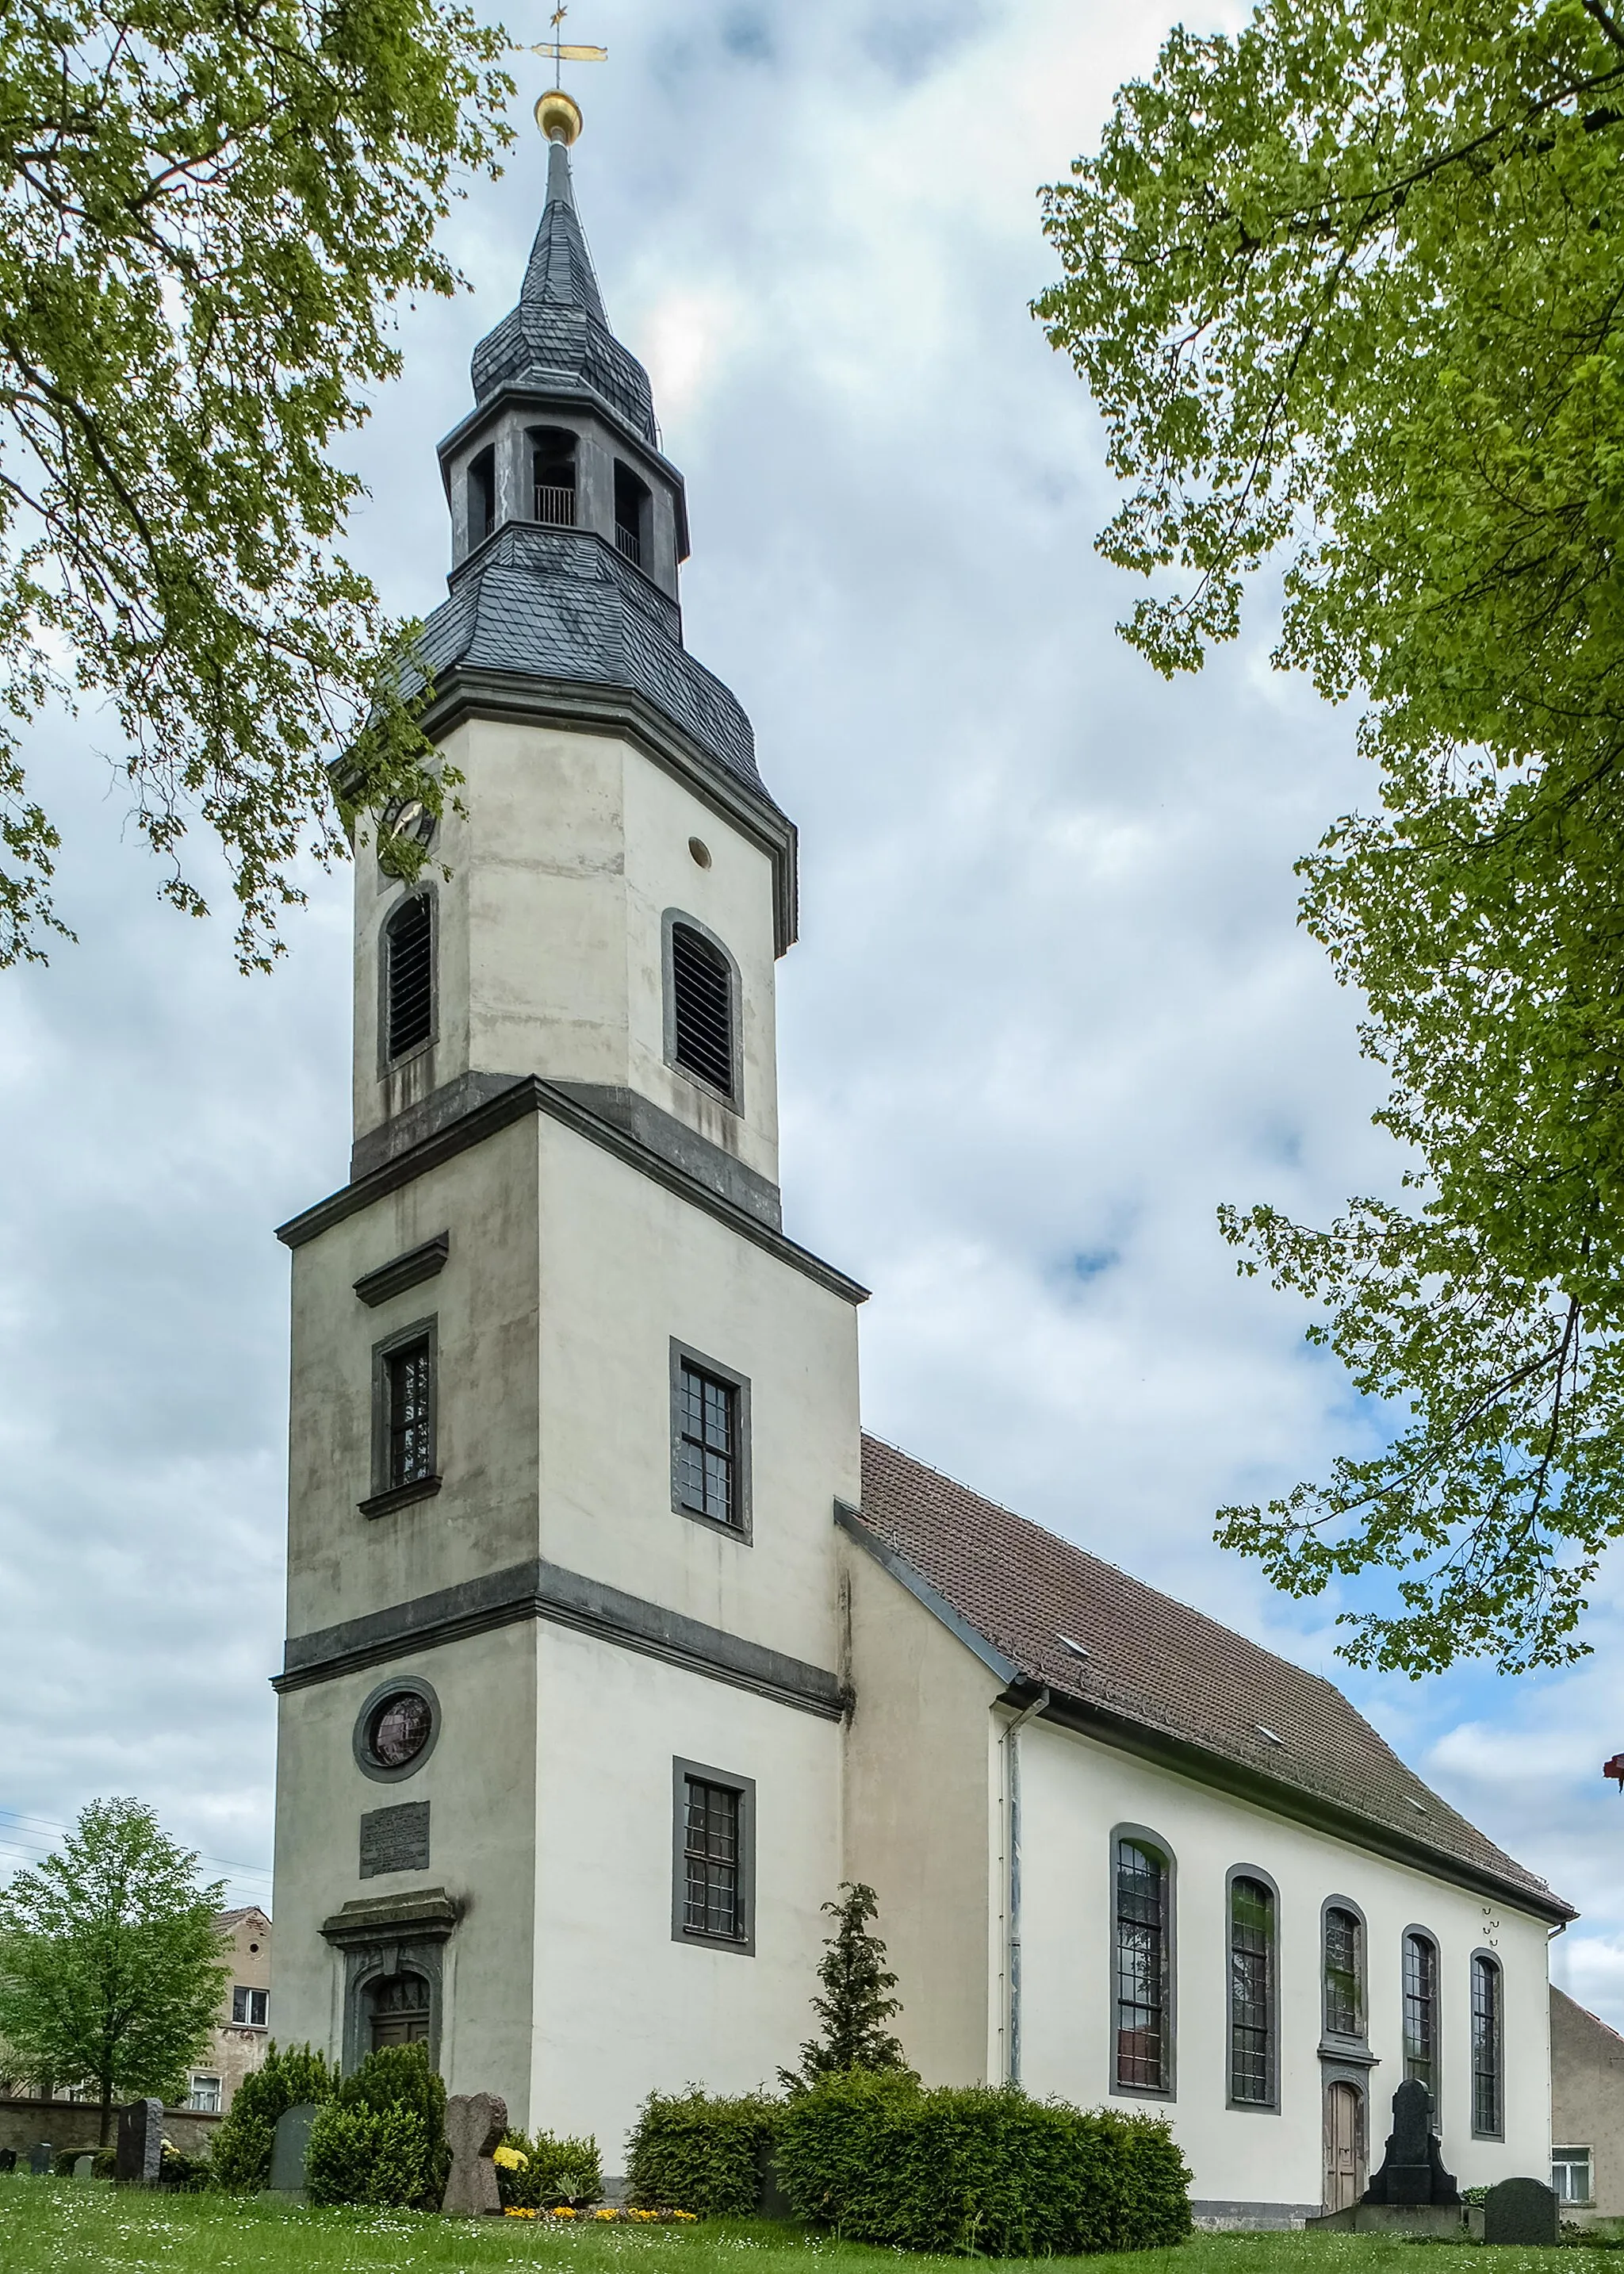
(395, 1839)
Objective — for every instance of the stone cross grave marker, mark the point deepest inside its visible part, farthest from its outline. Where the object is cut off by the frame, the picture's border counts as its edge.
(41, 2160)
(1521, 2210)
(140, 2143)
(289, 2144)
(475, 2123)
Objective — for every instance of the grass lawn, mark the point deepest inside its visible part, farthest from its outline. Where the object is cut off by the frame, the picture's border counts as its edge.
(56, 2226)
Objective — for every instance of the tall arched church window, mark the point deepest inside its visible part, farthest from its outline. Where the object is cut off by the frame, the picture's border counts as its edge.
(1344, 1973)
(702, 1009)
(409, 976)
(1421, 2010)
(400, 2011)
(1488, 2087)
(552, 469)
(1142, 1876)
(1251, 1993)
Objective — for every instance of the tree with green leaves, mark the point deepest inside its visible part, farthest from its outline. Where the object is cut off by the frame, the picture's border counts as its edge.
(856, 2003)
(1347, 290)
(112, 1964)
(209, 214)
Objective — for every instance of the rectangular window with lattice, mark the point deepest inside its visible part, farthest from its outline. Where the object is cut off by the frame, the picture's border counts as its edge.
(710, 1441)
(714, 1858)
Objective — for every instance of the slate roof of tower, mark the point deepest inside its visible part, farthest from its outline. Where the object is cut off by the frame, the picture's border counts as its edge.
(560, 604)
(558, 339)
(1157, 1664)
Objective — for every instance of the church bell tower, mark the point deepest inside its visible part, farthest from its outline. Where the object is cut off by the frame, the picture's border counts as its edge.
(561, 1714)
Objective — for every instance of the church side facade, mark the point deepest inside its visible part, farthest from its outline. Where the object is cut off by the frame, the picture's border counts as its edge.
(613, 1646)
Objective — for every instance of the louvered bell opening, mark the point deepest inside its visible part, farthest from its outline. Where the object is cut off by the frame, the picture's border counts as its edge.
(702, 989)
(411, 978)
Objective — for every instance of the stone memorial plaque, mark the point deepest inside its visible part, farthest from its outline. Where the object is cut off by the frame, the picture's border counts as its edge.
(1521, 2210)
(395, 1839)
(41, 2160)
(140, 2143)
(287, 2146)
(475, 2123)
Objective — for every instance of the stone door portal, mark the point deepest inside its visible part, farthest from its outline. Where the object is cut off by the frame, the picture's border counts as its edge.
(1345, 2172)
(400, 2006)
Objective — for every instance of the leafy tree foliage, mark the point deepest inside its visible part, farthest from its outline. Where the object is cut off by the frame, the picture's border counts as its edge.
(1349, 286)
(112, 1967)
(382, 2136)
(856, 2004)
(288, 2077)
(207, 214)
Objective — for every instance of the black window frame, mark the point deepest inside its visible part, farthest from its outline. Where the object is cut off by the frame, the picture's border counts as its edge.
(389, 1057)
(684, 1360)
(1485, 1966)
(386, 1495)
(1344, 1906)
(1411, 1997)
(685, 1774)
(1237, 2020)
(1141, 1837)
(732, 1093)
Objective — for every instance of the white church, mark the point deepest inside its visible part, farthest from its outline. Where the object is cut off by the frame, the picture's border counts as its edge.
(614, 1644)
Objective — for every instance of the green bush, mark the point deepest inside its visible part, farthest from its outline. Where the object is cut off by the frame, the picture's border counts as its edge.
(240, 2158)
(567, 2170)
(691, 2151)
(979, 2169)
(365, 2120)
(362, 2155)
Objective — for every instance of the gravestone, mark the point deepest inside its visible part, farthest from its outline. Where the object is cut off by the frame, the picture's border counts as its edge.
(41, 2160)
(139, 2152)
(288, 2146)
(475, 2123)
(84, 2167)
(8, 2159)
(395, 1839)
(1521, 2210)
(1412, 2170)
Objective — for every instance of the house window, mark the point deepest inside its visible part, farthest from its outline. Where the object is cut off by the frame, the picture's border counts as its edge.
(707, 1445)
(203, 2093)
(1570, 2175)
(1421, 2011)
(408, 1392)
(1144, 2035)
(701, 1040)
(249, 2007)
(1344, 1973)
(1488, 2109)
(1252, 1993)
(712, 1899)
(409, 978)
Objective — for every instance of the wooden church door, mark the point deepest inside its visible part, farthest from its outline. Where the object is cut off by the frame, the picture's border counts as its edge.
(400, 2011)
(1344, 2146)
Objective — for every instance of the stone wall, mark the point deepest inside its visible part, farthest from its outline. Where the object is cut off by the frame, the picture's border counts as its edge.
(77, 2123)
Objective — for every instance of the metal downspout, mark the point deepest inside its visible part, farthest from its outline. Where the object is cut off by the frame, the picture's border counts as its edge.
(1012, 1777)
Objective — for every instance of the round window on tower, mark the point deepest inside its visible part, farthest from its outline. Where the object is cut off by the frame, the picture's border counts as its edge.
(396, 1729)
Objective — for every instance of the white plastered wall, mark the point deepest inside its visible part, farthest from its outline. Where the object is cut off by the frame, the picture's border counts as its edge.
(1074, 1791)
(621, 2008)
(550, 930)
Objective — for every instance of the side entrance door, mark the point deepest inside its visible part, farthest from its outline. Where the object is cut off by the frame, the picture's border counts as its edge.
(1344, 2146)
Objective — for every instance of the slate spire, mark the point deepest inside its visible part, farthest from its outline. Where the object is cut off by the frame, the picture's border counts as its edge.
(560, 267)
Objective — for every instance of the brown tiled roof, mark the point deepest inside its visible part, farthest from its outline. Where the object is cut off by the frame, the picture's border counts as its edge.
(1160, 1667)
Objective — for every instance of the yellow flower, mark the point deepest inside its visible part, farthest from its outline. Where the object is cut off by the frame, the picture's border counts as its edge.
(510, 2158)
(563, 2212)
(685, 2214)
(603, 2214)
(518, 2210)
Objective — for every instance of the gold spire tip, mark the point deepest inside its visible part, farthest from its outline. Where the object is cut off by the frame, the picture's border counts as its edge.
(558, 117)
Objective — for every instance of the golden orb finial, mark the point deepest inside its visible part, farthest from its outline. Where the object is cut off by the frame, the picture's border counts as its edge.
(558, 117)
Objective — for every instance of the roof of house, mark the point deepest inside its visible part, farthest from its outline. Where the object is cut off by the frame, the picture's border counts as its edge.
(236, 1918)
(1139, 1668)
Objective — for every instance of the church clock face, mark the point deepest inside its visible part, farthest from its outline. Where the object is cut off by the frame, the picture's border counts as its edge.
(405, 832)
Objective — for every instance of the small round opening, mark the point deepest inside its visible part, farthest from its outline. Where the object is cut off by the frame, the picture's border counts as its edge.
(399, 1728)
(253, 1950)
(699, 850)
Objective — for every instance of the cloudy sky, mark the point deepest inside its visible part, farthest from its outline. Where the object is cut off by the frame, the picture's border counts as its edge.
(1050, 1005)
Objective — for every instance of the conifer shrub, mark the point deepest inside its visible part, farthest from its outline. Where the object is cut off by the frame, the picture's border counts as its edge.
(240, 2157)
(554, 2171)
(978, 2170)
(381, 2137)
(700, 2152)
(856, 2003)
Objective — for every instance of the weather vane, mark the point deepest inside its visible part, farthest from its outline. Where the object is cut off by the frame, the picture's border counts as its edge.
(557, 113)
